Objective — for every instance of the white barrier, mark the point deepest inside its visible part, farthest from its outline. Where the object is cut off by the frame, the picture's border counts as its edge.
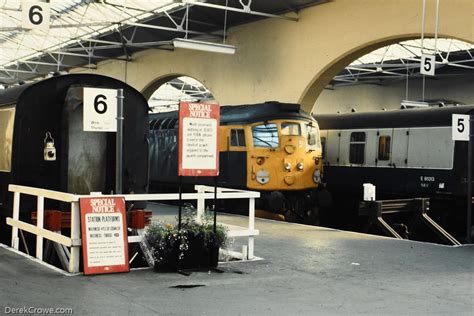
(74, 241)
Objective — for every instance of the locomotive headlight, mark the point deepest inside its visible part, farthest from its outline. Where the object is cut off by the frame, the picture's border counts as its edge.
(287, 166)
(263, 176)
(317, 176)
(300, 166)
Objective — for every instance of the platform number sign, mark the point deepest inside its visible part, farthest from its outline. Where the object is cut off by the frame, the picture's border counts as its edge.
(427, 66)
(461, 127)
(100, 110)
(35, 15)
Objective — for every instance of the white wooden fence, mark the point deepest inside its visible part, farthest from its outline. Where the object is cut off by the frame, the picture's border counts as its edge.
(74, 241)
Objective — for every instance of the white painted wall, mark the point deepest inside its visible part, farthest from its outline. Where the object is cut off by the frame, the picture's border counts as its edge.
(374, 97)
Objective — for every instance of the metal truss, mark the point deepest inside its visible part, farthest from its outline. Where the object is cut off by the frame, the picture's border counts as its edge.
(402, 60)
(168, 96)
(83, 32)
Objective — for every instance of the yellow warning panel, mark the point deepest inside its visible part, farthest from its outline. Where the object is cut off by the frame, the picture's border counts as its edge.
(269, 215)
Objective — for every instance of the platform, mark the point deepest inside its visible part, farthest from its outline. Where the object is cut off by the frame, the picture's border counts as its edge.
(306, 270)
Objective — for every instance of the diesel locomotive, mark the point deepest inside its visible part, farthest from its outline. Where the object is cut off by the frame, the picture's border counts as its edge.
(405, 153)
(44, 145)
(273, 148)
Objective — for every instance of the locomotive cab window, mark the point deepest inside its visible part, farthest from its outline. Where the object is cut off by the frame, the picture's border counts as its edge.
(237, 137)
(312, 135)
(384, 148)
(357, 148)
(265, 136)
(290, 129)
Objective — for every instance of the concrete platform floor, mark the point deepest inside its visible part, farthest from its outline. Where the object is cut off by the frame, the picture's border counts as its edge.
(306, 270)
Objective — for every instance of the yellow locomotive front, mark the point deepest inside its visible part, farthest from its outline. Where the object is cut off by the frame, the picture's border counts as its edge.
(284, 163)
(285, 155)
(270, 147)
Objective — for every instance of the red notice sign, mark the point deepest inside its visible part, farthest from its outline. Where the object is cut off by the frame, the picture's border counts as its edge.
(104, 235)
(198, 139)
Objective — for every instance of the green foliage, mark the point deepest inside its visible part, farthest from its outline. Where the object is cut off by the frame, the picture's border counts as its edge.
(164, 239)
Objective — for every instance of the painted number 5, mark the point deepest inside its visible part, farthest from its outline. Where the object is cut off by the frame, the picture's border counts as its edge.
(460, 125)
(427, 65)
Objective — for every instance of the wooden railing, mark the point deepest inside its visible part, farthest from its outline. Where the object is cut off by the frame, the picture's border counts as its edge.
(74, 240)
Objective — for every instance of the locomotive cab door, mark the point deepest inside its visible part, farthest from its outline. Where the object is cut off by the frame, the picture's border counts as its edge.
(383, 152)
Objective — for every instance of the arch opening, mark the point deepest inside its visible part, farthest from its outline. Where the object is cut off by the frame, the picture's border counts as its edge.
(353, 66)
(165, 93)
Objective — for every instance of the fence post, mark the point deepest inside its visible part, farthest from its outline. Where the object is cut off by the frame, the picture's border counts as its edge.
(251, 227)
(39, 224)
(75, 235)
(200, 204)
(16, 216)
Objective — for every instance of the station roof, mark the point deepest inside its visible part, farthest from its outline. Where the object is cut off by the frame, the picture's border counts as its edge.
(401, 60)
(409, 118)
(83, 32)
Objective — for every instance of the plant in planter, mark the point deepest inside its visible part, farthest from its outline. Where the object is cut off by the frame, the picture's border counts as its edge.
(194, 246)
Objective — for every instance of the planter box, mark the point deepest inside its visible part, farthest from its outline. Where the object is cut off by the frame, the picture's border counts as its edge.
(195, 258)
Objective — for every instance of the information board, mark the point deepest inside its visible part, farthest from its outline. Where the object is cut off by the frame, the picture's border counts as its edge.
(460, 127)
(104, 235)
(100, 110)
(198, 139)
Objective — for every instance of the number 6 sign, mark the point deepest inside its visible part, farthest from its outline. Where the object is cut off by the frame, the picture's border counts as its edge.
(461, 127)
(35, 15)
(100, 110)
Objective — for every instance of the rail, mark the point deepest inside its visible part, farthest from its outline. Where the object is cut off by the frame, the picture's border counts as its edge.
(72, 257)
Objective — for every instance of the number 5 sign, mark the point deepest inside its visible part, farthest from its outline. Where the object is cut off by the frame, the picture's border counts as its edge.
(427, 66)
(35, 15)
(461, 127)
(100, 110)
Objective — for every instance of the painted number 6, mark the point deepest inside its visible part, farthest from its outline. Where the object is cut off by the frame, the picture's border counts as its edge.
(35, 15)
(100, 103)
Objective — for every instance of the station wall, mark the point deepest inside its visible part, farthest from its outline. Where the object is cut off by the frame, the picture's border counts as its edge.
(294, 61)
(377, 97)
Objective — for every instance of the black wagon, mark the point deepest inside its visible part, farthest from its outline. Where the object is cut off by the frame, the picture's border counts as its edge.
(42, 142)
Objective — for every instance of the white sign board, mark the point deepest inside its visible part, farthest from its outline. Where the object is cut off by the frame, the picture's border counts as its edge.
(199, 143)
(100, 110)
(104, 235)
(198, 139)
(35, 15)
(427, 66)
(461, 127)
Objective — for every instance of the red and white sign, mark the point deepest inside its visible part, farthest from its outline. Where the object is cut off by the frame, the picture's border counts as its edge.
(104, 235)
(198, 139)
